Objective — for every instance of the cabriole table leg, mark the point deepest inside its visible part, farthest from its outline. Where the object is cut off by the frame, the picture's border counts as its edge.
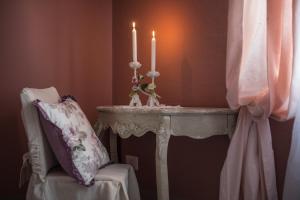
(162, 140)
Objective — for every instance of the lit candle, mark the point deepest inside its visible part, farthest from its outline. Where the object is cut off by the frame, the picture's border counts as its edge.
(153, 51)
(134, 43)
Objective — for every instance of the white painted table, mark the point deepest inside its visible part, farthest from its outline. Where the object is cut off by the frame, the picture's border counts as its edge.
(163, 121)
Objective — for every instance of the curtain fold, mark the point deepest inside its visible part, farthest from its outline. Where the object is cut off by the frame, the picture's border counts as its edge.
(292, 178)
(291, 189)
(262, 81)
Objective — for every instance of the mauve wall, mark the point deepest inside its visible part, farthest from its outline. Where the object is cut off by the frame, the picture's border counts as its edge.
(191, 57)
(66, 44)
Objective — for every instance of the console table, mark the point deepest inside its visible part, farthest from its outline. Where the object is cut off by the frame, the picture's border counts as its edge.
(163, 121)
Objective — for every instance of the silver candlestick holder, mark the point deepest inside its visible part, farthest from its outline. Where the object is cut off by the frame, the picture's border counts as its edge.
(152, 97)
(135, 98)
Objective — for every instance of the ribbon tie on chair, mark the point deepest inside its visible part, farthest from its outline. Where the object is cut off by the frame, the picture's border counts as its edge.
(26, 171)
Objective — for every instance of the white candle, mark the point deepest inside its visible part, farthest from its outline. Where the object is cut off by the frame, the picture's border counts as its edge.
(134, 43)
(153, 51)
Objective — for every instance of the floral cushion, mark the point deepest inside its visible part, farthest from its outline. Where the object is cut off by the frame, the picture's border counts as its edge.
(72, 139)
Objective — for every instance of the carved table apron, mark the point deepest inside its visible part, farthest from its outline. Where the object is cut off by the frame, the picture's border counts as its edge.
(164, 121)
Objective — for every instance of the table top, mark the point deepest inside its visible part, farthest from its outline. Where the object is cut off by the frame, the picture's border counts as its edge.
(164, 110)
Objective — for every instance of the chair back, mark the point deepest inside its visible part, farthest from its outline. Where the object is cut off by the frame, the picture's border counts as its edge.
(41, 155)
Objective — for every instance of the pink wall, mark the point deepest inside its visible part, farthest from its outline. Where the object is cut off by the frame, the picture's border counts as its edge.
(191, 44)
(64, 43)
(191, 56)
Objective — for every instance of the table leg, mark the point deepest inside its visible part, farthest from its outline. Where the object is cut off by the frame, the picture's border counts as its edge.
(113, 146)
(162, 140)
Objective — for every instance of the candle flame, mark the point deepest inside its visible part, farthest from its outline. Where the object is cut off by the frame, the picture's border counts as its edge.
(153, 34)
(133, 24)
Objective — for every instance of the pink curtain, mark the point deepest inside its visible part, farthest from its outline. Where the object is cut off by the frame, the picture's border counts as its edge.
(259, 75)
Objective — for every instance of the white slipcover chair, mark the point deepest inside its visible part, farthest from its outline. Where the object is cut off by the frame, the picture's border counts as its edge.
(47, 182)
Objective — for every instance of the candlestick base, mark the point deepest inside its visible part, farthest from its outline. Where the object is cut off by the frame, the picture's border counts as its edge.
(152, 101)
(135, 100)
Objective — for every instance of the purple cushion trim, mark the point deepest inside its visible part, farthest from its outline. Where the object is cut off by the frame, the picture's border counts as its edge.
(65, 97)
(60, 148)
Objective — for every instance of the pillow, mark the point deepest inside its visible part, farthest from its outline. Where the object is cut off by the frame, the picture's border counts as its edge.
(72, 139)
